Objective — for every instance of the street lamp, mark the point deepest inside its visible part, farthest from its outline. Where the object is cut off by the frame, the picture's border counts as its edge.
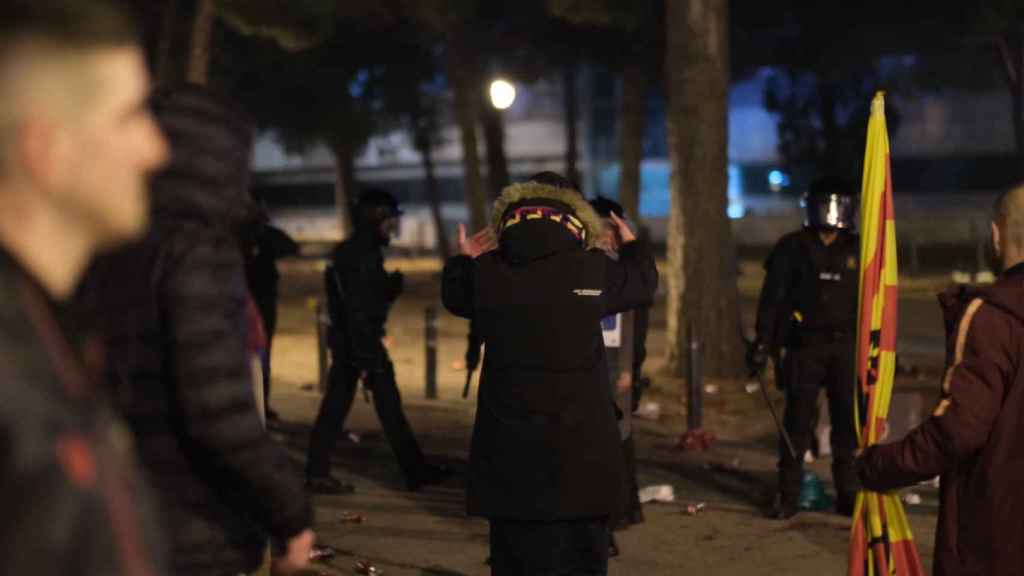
(503, 94)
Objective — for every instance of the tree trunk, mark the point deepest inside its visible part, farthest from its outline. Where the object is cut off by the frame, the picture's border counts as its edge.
(343, 188)
(434, 196)
(701, 276)
(571, 121)
(632, 113)
(494, 138)
(199, 45)
(466, 85)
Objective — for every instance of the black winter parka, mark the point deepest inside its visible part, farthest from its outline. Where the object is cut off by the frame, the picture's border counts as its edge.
(545, 444)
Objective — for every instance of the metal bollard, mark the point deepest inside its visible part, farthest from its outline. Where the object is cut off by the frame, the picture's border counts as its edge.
(695, 438)
(693, 411)
(431, 351)
(323, 323)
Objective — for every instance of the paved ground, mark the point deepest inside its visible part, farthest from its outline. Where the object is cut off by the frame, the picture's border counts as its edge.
(428, 533)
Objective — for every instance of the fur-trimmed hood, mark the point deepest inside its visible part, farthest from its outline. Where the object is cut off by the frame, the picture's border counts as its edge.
(526, 191)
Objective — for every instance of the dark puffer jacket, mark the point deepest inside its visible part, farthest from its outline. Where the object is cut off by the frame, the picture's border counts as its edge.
(177, 352)
(545, 444)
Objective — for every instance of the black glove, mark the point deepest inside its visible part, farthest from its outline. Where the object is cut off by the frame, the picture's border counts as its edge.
(757, 357)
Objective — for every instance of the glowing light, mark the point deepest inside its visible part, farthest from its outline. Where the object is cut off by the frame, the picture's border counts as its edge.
(736, 208)
(777, 180)
(503, 94)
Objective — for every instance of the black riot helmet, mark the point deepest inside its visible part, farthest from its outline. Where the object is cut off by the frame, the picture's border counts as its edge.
(830, 204)
(375, 207)
(377, 204)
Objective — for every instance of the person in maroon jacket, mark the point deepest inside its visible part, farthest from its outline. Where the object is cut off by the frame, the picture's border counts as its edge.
(973, 438)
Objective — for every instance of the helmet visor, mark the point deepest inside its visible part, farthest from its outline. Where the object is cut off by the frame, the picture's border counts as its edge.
(830, 212)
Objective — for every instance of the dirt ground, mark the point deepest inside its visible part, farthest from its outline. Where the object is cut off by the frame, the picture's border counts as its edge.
(428, 532)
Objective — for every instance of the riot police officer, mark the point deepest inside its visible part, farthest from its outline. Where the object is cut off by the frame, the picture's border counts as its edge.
(359, 295)
(806, 320)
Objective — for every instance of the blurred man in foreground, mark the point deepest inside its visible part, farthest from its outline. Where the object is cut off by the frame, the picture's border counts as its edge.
(76, 146)
(973, 438)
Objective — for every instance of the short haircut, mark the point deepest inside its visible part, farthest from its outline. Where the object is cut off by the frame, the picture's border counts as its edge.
(1009, 216)
(55, 30)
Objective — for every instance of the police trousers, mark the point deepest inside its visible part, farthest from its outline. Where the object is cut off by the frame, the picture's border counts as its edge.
(825, 363)
(336, 404)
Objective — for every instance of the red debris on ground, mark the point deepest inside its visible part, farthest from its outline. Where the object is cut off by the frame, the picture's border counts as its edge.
(696, 440)
(352, 518)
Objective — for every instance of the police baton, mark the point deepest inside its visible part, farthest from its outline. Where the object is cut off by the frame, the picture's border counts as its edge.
(775, 416)
(469, 382)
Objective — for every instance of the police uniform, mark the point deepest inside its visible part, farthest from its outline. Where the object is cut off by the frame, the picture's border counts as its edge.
(360, 294)
(807, 316)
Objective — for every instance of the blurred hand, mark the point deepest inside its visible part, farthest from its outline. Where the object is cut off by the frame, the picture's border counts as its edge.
(757, 358)
(296, 556)
(480, 243)
(624, 232)
(625, 382)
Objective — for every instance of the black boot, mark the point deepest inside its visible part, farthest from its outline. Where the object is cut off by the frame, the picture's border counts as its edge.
(429, 475)
(784, 507)
(328, 485)
(783, 511)
(845, 504)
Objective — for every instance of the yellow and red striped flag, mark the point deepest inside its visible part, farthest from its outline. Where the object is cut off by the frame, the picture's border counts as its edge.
(880, 541)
